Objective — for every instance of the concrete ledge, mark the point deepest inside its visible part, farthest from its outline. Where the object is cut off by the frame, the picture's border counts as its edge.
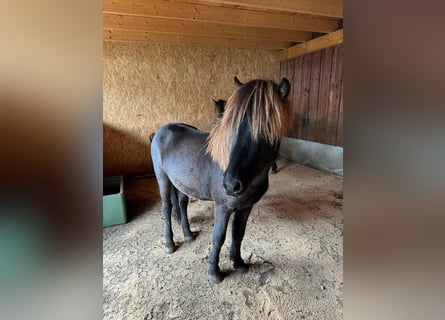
(313, 154)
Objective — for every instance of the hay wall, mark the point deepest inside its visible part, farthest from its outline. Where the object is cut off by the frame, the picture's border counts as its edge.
(148, 85)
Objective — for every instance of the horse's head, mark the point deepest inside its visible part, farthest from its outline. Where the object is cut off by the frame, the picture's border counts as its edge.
(219, 107)
(245, 143)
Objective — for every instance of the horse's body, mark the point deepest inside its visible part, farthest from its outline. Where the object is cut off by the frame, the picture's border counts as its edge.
(229, 166)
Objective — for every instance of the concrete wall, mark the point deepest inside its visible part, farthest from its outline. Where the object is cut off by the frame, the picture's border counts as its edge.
(313, 154)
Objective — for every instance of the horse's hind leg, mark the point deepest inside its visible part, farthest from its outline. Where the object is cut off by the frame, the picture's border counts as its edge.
(274, 165)
(179, 203)
(183, 203)
(274, 168)
(176, 210)
(165, 189)
(238, 229)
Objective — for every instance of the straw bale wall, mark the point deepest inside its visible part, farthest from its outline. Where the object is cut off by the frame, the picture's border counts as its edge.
(148, 85)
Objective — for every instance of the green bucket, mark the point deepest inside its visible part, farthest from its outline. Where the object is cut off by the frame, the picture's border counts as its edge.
(114, 210)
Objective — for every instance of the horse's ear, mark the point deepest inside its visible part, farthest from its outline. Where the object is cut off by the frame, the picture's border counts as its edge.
(284, 88)
(223, 105)
(237, 82)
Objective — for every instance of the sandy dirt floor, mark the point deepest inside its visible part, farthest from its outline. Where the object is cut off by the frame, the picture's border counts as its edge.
(293, 242)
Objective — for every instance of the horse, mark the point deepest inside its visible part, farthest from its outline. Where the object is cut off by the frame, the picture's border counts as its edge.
(179, 200)
(229, 165)
(219, 106)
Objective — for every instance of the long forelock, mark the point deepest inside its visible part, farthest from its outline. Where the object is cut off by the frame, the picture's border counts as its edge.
(269, 118)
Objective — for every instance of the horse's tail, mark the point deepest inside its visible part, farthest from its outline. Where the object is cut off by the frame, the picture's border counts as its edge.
(175, 204)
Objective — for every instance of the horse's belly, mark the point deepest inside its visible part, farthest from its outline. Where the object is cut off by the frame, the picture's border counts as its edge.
(191, 188)
(182, 157)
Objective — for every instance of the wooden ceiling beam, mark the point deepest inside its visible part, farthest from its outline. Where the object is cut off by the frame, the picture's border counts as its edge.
(326, 8)
(154, 37)
(114, 21)
(326, 41)
(224, 15)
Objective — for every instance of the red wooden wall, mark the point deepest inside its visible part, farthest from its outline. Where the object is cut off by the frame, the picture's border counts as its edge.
(317, 95)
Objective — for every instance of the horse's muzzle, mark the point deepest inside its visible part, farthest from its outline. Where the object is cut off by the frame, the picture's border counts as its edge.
(233, 186)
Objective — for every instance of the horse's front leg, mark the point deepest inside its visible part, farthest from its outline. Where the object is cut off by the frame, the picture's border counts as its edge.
(219, 235)
(238, 229)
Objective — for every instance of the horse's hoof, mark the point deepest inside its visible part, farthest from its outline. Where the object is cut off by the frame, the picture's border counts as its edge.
(215, 278)
(241, 267)
(168, 250)
(189, 239)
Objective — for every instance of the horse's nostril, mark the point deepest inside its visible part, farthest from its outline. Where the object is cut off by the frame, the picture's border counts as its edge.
(237, 187)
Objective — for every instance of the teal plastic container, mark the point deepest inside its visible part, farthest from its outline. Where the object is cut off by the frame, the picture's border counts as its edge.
(114, 210)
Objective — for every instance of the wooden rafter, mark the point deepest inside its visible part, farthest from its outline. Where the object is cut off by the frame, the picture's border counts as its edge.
(224, 15)
(327, 8)
(290, 25)
(162, 25)
(326, 41)
(155, 37)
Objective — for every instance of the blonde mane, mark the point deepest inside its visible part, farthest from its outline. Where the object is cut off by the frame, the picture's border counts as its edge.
(270, 118)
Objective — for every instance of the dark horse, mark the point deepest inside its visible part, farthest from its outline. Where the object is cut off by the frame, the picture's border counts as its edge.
(229, 166)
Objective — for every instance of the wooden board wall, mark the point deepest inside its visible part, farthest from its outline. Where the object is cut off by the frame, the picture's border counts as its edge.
(148, 85)
(316, 95)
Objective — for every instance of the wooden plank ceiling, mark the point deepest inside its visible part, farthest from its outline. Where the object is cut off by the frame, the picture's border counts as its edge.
(288, 25)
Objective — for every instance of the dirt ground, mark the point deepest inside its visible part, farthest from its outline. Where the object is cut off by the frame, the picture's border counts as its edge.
(293, 242)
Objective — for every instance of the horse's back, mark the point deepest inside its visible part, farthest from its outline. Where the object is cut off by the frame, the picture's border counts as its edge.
(170, 130)
(173, 135)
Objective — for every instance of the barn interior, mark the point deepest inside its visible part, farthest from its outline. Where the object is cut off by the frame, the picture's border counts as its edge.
(164, 61)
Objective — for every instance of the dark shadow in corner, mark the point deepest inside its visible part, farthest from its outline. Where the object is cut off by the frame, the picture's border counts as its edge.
(127, 155)
(142, 196)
